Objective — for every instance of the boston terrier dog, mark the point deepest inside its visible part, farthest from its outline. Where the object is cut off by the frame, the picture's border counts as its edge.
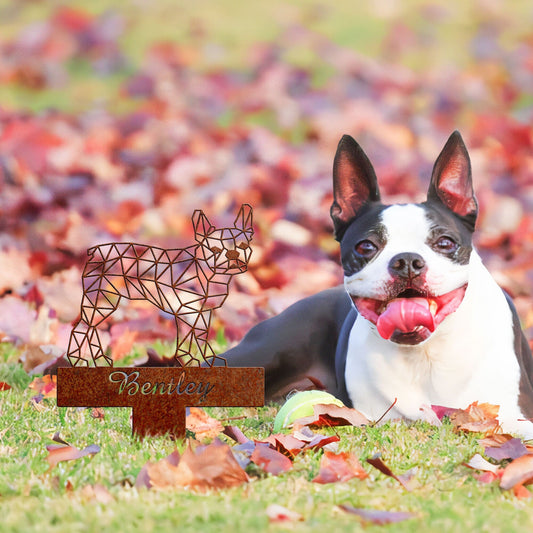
(419, 321)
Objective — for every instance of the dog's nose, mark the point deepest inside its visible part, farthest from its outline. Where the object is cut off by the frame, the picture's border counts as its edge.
(232, 254)
(407, 265)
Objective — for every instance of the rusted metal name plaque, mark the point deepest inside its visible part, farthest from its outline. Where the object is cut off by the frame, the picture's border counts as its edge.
(158, 396)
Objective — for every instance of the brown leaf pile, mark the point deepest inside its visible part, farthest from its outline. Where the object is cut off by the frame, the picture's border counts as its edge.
(200, 468)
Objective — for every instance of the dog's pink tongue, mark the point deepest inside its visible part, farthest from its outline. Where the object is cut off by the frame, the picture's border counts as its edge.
(405, 314)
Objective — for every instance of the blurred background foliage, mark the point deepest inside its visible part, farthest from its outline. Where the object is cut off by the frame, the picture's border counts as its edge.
(423, 35)
(118, 119)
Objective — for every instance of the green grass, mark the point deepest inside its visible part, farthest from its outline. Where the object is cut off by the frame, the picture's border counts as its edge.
(446, 497)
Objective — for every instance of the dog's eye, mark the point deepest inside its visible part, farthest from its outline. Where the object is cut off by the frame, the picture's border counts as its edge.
(366, 248)
(446, 244)
(242, 245)
(216, 249)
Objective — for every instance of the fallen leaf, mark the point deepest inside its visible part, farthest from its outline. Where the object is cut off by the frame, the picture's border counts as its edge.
(97, 493)
(33, 356)
(496, 440)
(521, 492)
(479, 463)
(202, 425)
(286, 444)
(378, 517)
(203, 468)
(518, 472)
(378, 463)
(270, 460)
(56, 437)
(277, 513)
(477, 417)
(58, 453)
(329, 415)
(314, 441)
(512, 449)
(339, 467)
(4, 386)
(98, 413)
(489, 477)
(143, 477)
(46, 386)
(431, 415)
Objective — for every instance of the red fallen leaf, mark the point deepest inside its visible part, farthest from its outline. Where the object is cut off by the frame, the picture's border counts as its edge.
(378, 463)
(4, 386)
(29, 142)
(47, 386)
(72, 19)
(512, 449)
(286, 444)
(98, 413)
(488, 477)
(378, 517)
(521, 492)
(59, 452)
(442, 411)
(277, 513)
(476, 418)
(341, 467)
(202, 425)
(203, 468)
(270, 460)
(329, 415)
(518, 472)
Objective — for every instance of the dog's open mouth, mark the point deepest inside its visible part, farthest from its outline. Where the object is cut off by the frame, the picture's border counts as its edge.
(411, 316)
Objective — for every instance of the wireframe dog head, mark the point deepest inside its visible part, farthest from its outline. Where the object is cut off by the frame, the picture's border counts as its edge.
(226, 250)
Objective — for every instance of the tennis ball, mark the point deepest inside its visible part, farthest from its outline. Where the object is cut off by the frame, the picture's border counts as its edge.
(300, 405)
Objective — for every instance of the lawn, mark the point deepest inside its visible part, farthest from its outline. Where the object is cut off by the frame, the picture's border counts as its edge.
(444, 494)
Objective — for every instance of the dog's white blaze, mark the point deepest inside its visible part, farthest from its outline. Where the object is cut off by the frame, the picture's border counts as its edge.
(407, 231)
(470, 357)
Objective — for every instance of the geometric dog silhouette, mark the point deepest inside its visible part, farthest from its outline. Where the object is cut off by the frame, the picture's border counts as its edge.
(187, 283)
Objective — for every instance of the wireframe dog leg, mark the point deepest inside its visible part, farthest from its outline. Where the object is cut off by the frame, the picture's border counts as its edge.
(99, 300)
(195, 341)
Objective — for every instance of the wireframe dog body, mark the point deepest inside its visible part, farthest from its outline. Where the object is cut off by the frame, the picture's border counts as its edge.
(187, 283)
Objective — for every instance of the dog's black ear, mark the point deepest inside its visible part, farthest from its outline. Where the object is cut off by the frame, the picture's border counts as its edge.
(354, 184)
(451, 180)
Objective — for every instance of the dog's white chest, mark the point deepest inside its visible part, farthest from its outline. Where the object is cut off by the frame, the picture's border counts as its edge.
(470, 357)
